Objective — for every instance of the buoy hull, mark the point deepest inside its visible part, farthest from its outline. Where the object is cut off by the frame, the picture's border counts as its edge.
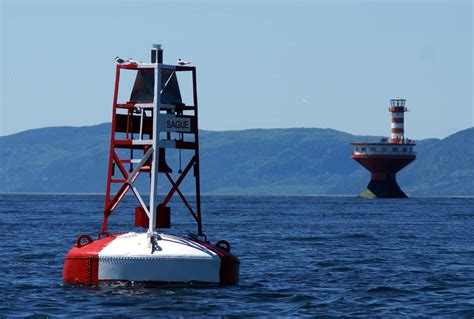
(130, 257)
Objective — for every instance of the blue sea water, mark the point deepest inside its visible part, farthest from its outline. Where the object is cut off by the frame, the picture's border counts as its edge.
(314, 256)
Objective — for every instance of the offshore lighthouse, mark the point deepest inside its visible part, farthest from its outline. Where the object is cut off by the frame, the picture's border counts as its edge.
(384, 159)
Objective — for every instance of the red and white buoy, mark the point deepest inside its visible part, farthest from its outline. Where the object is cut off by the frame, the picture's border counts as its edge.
(153, 120)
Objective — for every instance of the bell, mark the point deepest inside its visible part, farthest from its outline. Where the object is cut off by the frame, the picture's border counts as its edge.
(162, 165)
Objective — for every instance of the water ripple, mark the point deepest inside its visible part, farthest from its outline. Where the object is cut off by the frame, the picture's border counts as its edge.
(301, 256)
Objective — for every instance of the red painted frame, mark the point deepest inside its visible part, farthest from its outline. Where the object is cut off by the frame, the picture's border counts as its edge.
(112, 200)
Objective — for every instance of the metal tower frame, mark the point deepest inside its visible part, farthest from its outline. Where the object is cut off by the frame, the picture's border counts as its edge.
(159, 121)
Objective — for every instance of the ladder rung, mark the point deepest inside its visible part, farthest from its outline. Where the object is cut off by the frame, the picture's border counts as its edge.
(142, 142)
(125, 106)
(133, 142)
(128, 144)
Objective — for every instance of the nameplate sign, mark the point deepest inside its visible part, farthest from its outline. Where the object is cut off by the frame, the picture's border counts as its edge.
(172, 123)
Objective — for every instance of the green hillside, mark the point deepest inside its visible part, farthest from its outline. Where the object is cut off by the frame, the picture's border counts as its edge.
(298, 161)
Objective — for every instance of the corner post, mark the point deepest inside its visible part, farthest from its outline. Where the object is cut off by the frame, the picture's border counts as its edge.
(154, 164)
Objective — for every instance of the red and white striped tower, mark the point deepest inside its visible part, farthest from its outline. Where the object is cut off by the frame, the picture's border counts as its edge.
(398, 109)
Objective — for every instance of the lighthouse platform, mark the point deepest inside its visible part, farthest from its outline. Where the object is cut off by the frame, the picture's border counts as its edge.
(383, 161)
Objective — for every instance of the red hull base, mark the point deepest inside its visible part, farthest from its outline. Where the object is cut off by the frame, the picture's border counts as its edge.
(81, 265)
(383, 169)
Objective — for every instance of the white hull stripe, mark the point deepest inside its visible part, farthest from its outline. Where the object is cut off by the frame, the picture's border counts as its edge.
(175, 259)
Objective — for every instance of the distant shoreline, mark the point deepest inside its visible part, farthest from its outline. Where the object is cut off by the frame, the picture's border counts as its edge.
(280, 162)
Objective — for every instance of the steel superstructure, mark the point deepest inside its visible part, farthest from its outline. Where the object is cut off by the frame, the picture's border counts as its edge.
(152, 122)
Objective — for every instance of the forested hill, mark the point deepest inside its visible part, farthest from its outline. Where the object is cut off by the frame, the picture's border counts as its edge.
(296, 161)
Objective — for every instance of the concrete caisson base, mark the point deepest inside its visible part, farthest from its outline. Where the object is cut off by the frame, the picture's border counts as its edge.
(383, 189)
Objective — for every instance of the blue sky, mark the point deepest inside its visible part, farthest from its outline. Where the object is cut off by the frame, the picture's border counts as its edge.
(261, 64)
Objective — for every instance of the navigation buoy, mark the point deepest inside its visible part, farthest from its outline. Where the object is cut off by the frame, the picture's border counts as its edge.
(153, 120)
